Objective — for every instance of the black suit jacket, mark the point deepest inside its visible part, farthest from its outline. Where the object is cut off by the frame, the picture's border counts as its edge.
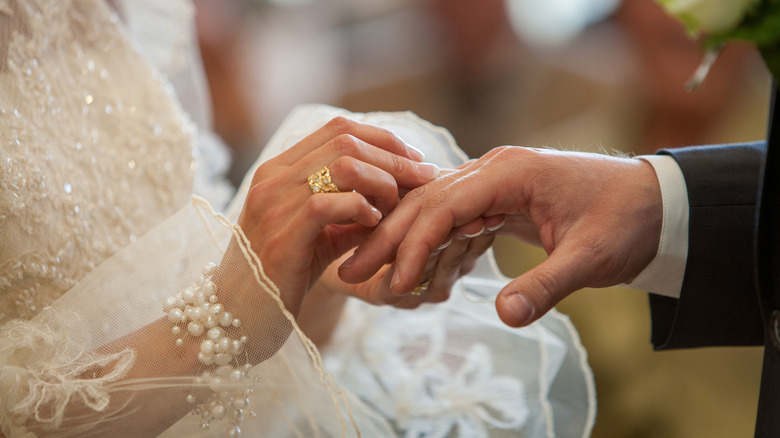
(731, 288)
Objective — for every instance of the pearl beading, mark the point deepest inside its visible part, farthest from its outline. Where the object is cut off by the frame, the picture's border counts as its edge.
(197, 313)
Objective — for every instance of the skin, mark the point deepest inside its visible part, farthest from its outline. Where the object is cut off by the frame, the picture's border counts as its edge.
(598, 218)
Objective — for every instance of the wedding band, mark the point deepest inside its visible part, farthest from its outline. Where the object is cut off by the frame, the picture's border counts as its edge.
(320, 182)
(422, 287)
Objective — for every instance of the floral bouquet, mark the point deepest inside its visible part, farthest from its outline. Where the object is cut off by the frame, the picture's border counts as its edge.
(716, 22)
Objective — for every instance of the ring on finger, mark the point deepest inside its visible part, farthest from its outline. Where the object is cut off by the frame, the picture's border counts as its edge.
(321, 182)
(422, 287)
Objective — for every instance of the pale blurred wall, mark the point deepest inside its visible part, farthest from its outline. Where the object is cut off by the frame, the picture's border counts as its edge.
(617, 86)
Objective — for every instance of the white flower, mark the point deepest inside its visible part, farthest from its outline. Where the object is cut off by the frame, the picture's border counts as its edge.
(708, 16)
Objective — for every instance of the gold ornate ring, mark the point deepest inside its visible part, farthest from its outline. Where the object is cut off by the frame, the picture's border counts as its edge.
(320, 182)
(422, 287)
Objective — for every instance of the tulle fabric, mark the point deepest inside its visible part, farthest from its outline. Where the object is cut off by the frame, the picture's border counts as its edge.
(452, 369)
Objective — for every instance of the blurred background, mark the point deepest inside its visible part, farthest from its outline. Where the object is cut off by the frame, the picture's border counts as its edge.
(592, 75)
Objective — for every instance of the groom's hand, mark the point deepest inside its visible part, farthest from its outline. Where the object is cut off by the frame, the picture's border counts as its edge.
(597, 217)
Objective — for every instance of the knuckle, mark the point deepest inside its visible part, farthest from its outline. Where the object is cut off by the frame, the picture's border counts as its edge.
(348, 168)
(399, 165)
(340, 124)
(317, 205)
(547, 283)
(345, 144)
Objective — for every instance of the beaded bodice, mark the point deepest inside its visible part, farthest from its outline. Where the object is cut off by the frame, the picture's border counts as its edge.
(94, 150)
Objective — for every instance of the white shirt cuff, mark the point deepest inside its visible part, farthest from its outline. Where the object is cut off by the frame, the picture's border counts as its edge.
(664, 274)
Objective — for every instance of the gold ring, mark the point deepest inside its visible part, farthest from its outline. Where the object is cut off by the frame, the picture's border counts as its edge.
(422, 287)
(320, 182)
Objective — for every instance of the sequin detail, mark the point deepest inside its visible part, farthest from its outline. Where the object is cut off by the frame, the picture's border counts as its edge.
(95, 150)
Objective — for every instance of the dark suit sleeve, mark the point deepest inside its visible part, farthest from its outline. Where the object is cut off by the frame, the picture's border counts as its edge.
(718, 304)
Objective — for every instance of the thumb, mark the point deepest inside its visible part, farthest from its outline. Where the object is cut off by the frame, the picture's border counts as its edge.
(529, 296)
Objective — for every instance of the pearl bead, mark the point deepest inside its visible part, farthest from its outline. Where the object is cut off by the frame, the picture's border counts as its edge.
(208, 287)
(236, 375)
(197, 314)
(215, 384)
(188, 295)
(218, 411)
(176, 316)
(170, 302)
(190, 398)
(211, 322)
(224, 345)
(207, 347)
(244, 339)
(234, 431)
(205, 359)
(216, 310)
(209, 269)
(179, 342)
(240, 403)
(176, 330)
(236, 347)
(213, 299)
(222, 358)
(195, 329)
(214, 334)
(236, 323)
(226, 319)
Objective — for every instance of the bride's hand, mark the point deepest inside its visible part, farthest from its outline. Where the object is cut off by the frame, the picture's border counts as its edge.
(297, 234)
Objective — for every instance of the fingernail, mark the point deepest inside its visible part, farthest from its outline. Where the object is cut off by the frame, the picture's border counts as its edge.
(348, 262)
(377, 214)
(445, 245)
(426, 171)
(473, 235)
(396, 277)
(521, 308)
(497, 227)
(416, 153)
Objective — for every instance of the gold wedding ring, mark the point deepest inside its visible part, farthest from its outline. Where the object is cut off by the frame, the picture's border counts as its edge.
(320, 182)
(422, 287)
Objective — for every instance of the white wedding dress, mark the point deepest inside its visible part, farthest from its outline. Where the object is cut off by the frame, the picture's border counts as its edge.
(104, 252)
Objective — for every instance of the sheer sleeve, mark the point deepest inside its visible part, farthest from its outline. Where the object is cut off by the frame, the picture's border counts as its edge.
(182, 320)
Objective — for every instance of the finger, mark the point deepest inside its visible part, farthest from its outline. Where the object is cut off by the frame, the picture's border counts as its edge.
(323, 209)
(470, 230)
(338, 126)
(349, 174)
(447, 271)
(416, 227)
(477, 247)
(529, 296)
(377, 289)
(382, 242)
(494, 223)
(406, 172)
